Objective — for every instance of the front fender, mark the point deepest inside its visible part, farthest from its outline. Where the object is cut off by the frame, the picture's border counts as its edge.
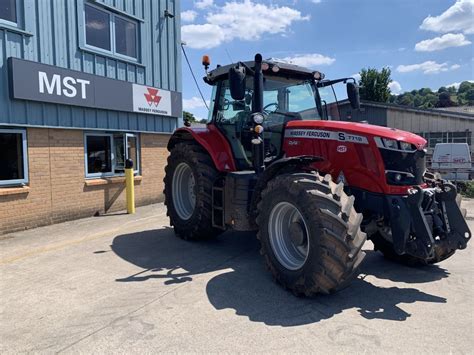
(212, 140)
(280, 166)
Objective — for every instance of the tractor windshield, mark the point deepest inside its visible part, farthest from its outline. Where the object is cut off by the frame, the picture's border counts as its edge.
(283, 100)
(287, 99)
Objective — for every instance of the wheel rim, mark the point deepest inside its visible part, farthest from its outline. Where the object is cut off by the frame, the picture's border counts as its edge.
(184, 197)
(289, 243)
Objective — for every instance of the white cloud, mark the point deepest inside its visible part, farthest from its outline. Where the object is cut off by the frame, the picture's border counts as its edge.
(356, 76)
(316, 1)
(247, 21)
(445, 41)
(193, 103)
(428, 67)
(202, 4)
(395, 87)
(458, 17)
(456, 85)
(202, 36)
(310, 60)
(188, 16)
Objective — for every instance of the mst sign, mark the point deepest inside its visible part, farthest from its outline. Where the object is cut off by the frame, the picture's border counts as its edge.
(46, 83)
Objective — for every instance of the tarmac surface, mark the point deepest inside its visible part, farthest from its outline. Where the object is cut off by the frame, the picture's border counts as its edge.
(125, 284)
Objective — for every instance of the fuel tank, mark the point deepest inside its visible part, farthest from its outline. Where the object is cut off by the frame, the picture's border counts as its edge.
(368, 157)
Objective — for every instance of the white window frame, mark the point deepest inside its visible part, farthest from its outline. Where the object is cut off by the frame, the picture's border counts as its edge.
(25, 179)
(18, 22)
(112, 50)
(113, 157)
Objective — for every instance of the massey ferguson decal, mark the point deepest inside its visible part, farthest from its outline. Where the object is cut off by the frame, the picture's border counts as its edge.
(151, 100)
(328, 135)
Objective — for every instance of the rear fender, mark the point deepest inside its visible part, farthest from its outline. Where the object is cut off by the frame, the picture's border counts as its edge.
(212, 140)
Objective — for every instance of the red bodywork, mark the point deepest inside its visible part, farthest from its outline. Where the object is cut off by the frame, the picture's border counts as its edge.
(357, 155)
(360, 162)
(216, 145)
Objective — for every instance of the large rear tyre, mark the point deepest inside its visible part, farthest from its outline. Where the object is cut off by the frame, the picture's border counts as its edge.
(310, 233)
(189, 177)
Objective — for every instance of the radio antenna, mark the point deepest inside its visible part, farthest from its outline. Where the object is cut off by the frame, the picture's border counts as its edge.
(194, 77)
(228, 55)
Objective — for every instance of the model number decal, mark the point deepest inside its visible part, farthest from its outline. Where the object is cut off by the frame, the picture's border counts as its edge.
(328, 135)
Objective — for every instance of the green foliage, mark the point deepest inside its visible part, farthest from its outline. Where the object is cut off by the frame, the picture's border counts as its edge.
(443, 97)
(189, 116)
(374, 84)
(466, 188)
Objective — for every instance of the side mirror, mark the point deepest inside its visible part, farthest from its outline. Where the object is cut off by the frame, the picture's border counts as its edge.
(237, 82)
(353, 95)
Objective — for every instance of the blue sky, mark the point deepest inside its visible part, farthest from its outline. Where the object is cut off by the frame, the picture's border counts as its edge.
(426, 43)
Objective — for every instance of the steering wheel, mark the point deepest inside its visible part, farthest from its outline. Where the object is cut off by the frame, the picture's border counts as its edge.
(267, 111)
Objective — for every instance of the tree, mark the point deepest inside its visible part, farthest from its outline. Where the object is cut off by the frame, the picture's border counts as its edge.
(430, 100)
(406, 99)
(374, 84)
(469, 96)
(465, 86)
(442, 89)
(444, 100)
(189, 116)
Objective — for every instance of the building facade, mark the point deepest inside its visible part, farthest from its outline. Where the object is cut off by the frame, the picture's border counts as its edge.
(436, 126)
(84, 85)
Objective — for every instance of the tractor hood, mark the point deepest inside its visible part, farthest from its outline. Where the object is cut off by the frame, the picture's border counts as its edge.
(362, 129)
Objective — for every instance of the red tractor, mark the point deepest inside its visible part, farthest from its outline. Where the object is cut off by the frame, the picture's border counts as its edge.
(271, 160)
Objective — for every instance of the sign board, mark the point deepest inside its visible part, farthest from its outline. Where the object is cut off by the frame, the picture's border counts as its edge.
(46, 83)
(151, 100)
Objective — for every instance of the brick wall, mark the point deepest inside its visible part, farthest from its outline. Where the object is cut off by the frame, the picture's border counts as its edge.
(57, 189)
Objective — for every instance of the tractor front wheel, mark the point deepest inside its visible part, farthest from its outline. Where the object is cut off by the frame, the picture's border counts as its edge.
(310, 233)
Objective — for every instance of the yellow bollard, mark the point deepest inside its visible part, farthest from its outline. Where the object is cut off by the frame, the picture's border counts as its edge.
(130, 186)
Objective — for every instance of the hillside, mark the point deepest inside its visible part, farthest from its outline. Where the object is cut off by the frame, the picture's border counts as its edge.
(443, 98)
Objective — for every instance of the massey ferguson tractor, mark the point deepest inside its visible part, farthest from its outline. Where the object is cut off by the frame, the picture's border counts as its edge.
(274, 160)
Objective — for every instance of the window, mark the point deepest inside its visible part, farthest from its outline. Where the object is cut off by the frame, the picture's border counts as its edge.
(8, 10)
(13, 157)
(97, 28)
(110, 32)
(105, 153)
(125, 37)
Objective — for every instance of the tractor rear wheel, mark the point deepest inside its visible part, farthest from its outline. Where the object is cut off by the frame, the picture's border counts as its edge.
(310, 233)
(189, 177)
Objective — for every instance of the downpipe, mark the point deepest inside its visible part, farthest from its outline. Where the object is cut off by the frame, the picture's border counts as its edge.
(427, 219)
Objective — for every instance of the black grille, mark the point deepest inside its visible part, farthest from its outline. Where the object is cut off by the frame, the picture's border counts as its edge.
(410, 166)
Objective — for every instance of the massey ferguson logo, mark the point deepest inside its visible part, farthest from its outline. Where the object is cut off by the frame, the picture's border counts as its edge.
(151, 100)
(152, 97)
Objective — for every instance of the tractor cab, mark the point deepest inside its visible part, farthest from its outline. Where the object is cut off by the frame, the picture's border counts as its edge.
(289, 93)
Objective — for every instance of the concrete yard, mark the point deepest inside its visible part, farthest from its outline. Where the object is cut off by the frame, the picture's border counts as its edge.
(126, 284)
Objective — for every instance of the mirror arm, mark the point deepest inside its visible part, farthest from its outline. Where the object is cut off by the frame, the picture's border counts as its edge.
(324, 83)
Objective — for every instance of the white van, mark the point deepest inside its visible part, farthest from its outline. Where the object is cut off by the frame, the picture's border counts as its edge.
(453, 161)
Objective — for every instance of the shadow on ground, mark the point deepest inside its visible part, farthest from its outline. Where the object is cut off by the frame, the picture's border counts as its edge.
(245, 286)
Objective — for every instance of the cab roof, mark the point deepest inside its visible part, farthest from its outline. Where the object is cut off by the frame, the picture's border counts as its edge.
(286, 70)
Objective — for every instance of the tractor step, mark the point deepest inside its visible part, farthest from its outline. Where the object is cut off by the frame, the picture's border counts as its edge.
(218, 204)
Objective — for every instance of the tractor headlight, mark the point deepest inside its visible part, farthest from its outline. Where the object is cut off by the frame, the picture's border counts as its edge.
(258, 118)
(390, 143)
(407, 146)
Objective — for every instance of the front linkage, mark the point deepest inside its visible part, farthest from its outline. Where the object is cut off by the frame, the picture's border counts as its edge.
(428, 223)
